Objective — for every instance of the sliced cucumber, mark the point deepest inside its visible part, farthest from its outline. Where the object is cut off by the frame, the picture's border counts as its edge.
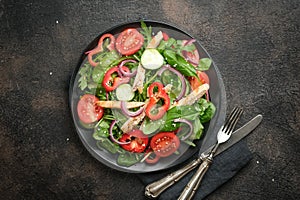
(124, 92)
(152, 59)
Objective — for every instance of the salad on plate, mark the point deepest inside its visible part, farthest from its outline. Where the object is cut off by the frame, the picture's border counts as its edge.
(144, 94)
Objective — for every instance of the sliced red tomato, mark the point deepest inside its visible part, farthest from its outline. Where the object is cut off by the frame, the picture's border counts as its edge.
(164, 144)
(129, 41)
(195, 83)
(87, 109)
(138, 141)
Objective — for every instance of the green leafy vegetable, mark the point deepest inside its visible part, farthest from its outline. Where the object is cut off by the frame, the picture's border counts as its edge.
(179, 63)
(198, 129)
(128, 159)
(146, 32)
(107, 59)
(85, 76)
(105, 143)
(166, 45)
(185, 112)
(101, 129)
(207, 110)
(204, 64)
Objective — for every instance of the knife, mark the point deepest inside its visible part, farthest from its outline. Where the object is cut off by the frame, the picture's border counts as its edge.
(154, 189)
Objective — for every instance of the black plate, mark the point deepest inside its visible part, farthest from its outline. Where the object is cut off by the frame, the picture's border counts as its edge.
(217, 94)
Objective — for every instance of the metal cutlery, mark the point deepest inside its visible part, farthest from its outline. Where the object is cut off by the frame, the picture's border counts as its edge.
(223, 135)
(154, 189)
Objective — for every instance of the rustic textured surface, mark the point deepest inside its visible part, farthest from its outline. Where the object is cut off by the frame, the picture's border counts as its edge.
(254, 44)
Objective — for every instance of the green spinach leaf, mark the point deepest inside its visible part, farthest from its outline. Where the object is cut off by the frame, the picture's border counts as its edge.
(204, 64)
(106, 61)
(179, 63)
(105, 143)
(198, 129)
(207, 110)
(186, 112)
(128, 159)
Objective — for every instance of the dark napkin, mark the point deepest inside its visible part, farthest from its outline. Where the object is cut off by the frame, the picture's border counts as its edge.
(223, 168)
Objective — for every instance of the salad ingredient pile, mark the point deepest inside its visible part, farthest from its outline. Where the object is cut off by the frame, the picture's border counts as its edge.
(144, 95)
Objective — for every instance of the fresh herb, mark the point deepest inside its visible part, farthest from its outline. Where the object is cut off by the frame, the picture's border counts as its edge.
(166, 45)
(85, 73)
(146, 32)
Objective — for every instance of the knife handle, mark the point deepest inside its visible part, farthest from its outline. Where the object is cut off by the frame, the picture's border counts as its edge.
(156, 188)
(192, 186)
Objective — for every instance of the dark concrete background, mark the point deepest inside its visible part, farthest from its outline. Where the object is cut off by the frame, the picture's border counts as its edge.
(255, 44)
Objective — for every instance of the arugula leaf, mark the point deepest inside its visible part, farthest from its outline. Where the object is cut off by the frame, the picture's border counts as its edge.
(146, 32)
(163, 45)
(85, 73)
(204, 64)
(189, 142)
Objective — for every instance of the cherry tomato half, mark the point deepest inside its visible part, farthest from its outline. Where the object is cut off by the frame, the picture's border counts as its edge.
(138, 141)
(164, 143)
(129, 41)
(195, 83)
(87, 109)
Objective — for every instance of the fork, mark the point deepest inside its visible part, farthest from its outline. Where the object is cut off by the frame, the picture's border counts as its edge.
(222, 136)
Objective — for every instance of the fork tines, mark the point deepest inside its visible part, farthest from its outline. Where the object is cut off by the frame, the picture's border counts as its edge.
(232, 119)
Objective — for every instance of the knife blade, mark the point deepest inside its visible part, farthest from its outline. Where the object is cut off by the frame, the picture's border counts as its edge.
(236, 136)
(154, 189)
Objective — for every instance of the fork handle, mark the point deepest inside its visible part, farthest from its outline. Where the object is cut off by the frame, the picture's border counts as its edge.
(192, 186)
(156, 188)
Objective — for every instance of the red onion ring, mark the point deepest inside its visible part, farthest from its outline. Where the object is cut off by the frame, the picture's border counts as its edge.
(184, 53)
(189, 124)
(128, 113)
(112, 135)
(127, 74)
(181, 77)
(107, 95)
(190, 42)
